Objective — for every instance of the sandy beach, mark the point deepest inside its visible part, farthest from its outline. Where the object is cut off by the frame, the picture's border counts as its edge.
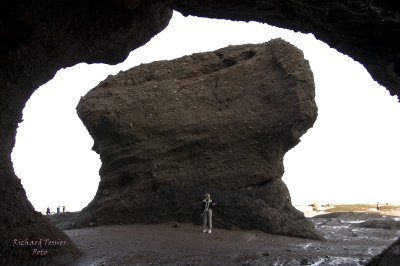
(350, 240)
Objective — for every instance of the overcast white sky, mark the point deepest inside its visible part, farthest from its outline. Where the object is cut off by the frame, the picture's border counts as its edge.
(349, 156)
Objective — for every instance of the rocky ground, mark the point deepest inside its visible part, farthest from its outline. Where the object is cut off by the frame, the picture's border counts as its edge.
(351, 239)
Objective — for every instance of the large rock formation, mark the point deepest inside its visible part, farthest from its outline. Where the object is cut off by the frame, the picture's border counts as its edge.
(218, 122)
(40, 37)
(37, 39)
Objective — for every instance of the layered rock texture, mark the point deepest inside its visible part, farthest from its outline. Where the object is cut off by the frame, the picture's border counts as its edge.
(217, 122)
(37, 39)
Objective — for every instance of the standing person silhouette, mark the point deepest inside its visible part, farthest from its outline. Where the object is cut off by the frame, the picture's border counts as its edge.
(64, 208)
(48, 211)
(207, 206)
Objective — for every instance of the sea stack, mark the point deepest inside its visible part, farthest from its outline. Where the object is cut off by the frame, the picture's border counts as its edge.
(218, 122)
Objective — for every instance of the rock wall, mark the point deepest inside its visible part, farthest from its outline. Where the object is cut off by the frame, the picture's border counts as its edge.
(217, 122)
(37, 39)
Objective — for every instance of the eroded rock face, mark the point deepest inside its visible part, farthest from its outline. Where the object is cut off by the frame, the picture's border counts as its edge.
(218, 122)
(37, 39)
(365, 30)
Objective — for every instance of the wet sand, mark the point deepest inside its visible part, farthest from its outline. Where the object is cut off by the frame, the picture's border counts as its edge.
(347, 243)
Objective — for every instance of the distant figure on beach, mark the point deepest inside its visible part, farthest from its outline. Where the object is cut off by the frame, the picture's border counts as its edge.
(378, 206)
(58, 209)
(207, 213)
(64, 208)
(48, 211)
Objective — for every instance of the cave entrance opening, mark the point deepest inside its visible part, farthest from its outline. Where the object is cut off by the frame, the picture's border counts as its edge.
(352, 143)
